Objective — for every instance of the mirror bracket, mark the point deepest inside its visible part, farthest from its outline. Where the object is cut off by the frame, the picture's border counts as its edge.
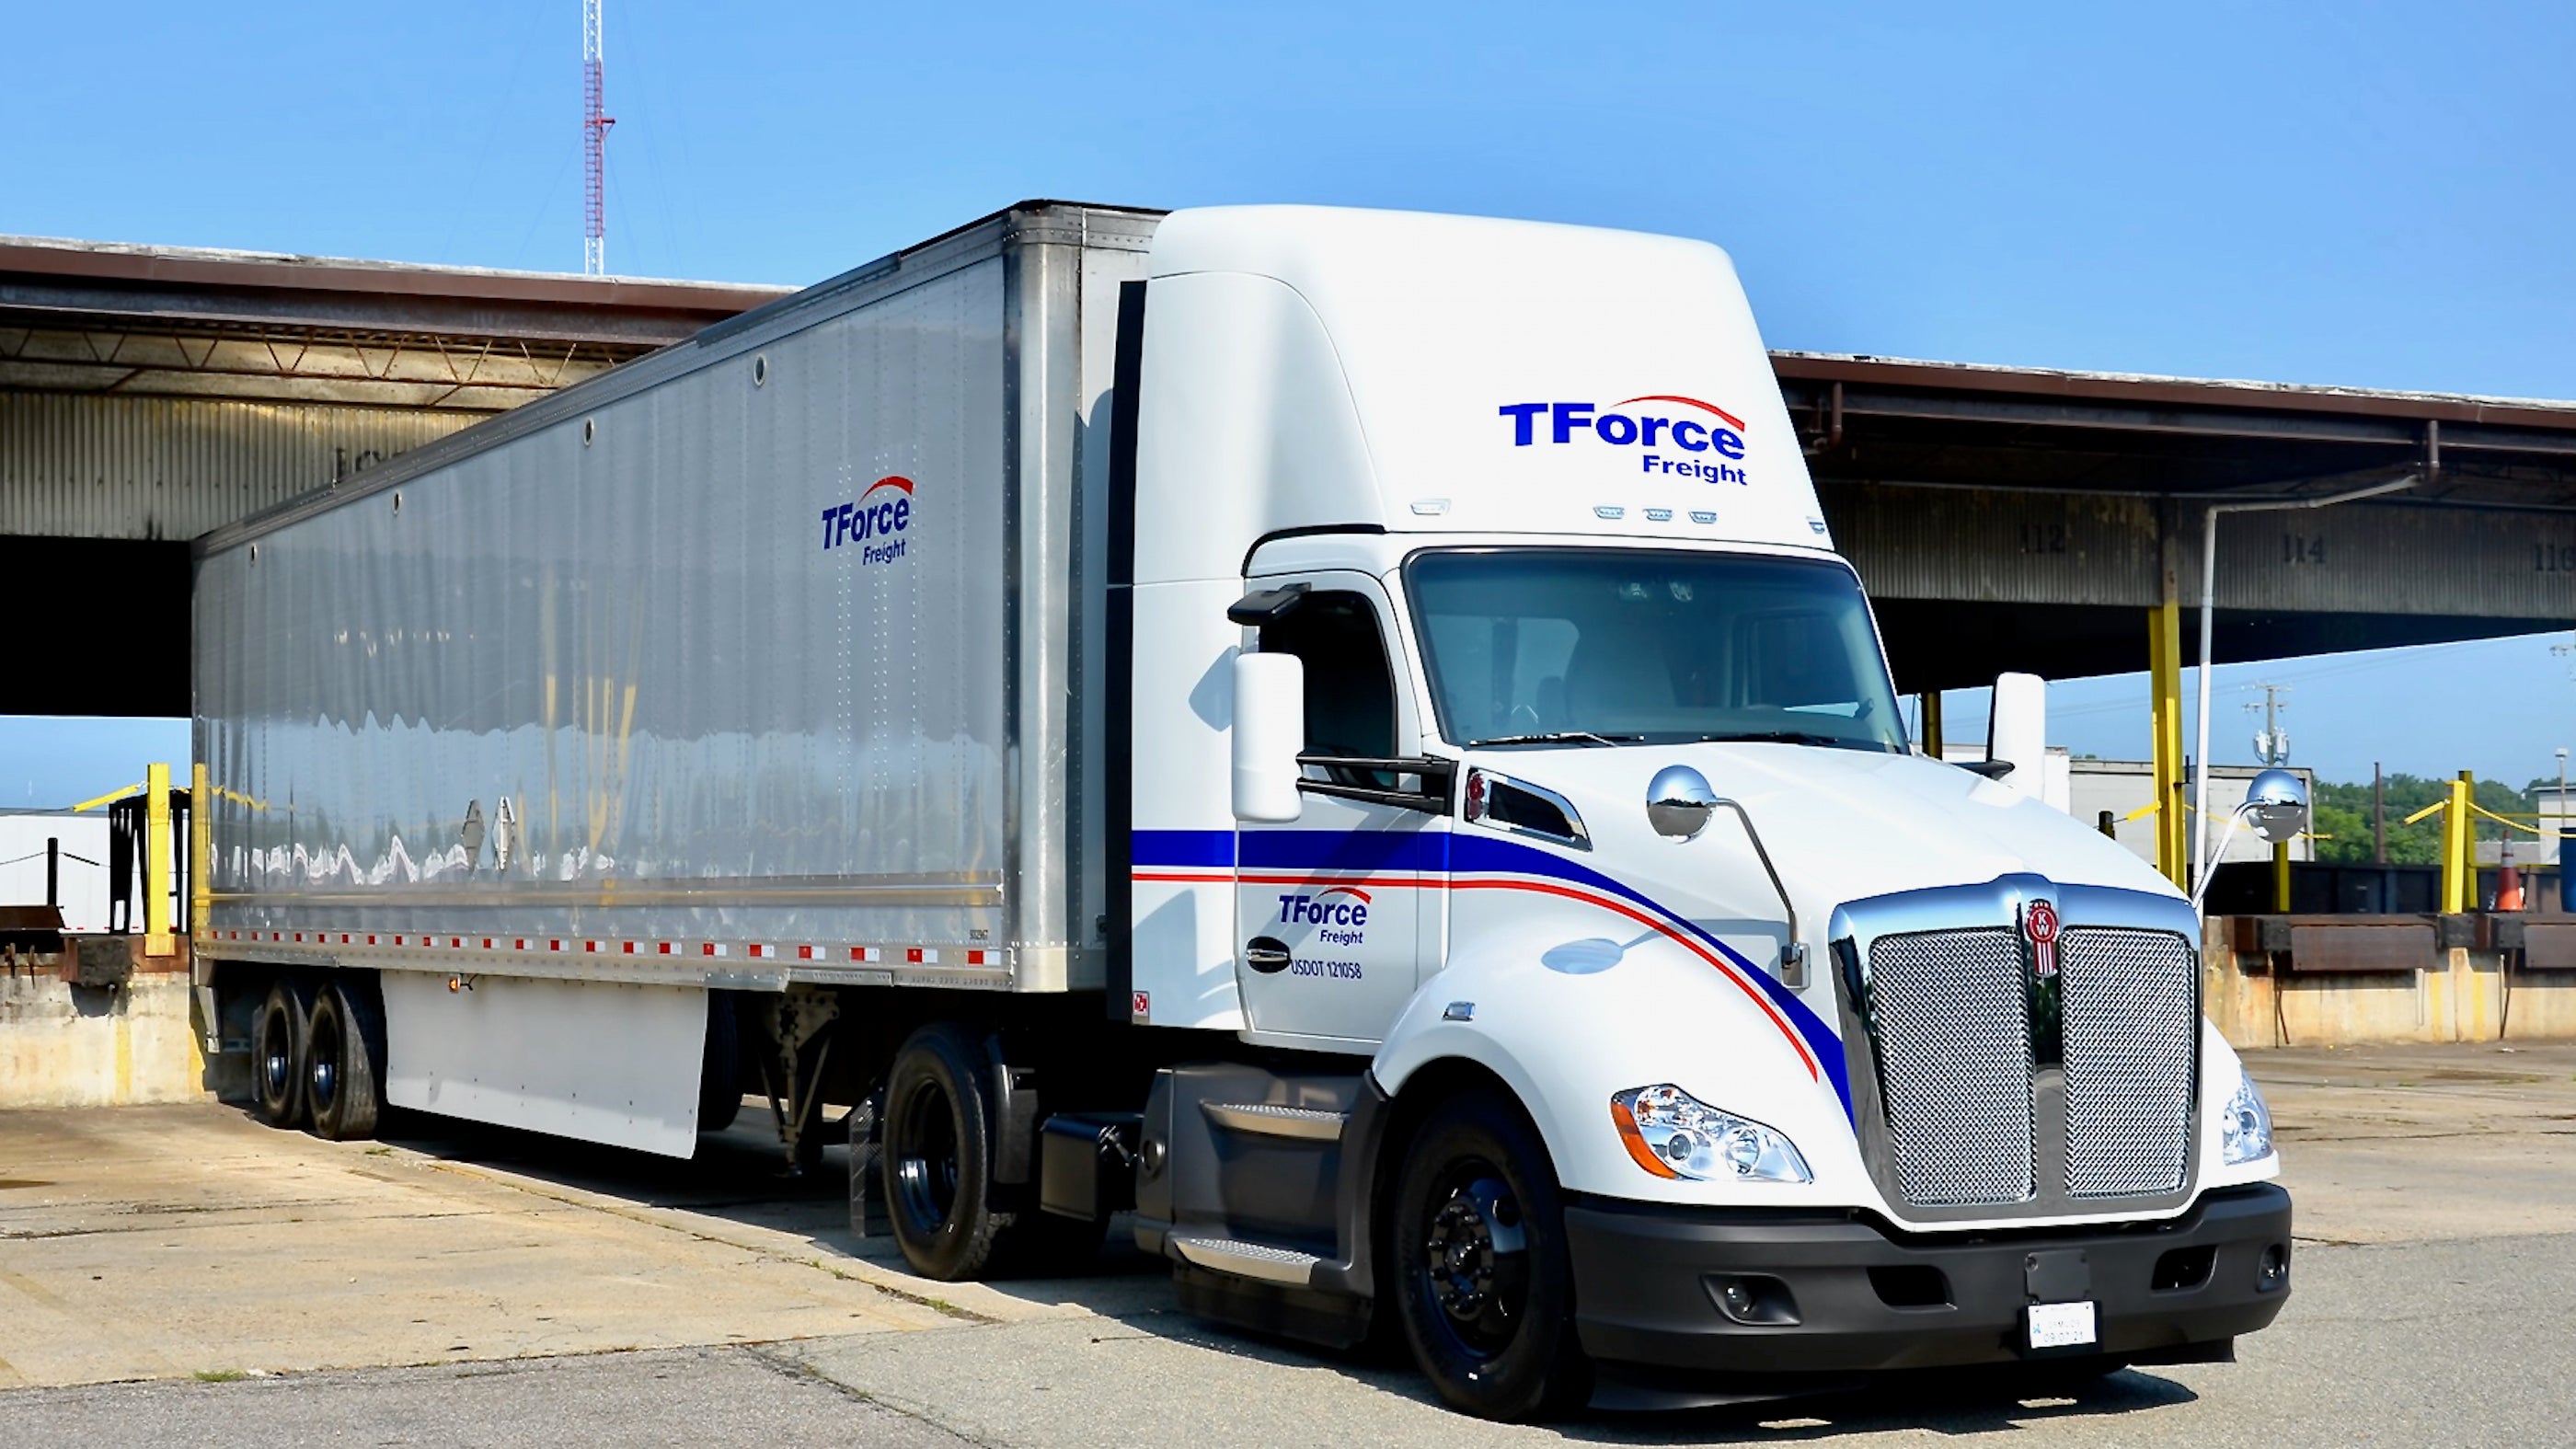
(1267, 606)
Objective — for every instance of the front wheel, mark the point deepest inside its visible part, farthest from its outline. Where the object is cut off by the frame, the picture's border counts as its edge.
(1482, 1280)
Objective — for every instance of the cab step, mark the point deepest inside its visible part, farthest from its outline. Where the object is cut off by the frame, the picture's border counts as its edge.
(1265, 1119)
(1246, 1260)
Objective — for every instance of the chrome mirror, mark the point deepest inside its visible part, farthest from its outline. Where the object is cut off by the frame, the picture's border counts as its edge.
(1679, 802)
(2277, 804)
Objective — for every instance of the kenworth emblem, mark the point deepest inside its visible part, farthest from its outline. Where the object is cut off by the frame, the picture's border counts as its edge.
(2040, 924)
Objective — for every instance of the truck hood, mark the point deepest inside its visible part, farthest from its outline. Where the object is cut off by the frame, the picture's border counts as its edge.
(1841, 825)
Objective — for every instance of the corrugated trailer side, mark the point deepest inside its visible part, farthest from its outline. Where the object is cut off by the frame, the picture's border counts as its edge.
(756, 663)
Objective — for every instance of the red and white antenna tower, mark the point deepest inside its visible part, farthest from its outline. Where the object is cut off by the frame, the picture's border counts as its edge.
(594, 138)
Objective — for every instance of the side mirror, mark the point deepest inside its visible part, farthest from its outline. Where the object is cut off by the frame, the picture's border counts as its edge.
(1269, 734)
(2018, 735)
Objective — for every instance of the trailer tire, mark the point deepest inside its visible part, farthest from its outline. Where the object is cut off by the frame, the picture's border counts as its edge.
(278, 1036)
(1482, 1280)
(345, 1049)
(936, 1155)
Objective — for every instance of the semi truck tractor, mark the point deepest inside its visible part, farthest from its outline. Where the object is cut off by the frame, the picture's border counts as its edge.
(1340, 736)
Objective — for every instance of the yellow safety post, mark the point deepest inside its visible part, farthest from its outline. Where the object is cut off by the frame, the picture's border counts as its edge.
(2457, 870)
(201, 892)
(2281, 877)
(1932, 741)
(156, 855)
(2164, 677)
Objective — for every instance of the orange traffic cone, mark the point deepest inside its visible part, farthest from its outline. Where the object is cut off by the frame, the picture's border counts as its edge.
(2509, 888)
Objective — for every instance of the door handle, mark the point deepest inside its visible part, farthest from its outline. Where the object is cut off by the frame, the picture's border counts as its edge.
(1266, 954)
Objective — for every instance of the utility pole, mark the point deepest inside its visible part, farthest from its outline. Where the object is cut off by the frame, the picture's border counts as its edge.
(2561, 811)
(594, 140)
(2378, 815)
(2272, 746)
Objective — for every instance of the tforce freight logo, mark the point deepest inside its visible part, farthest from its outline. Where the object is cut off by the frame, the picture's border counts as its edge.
(1661, 426)
(1340, 911)
(879, 521)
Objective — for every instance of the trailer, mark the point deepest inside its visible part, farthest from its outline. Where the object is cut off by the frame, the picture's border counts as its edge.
(1340, 732)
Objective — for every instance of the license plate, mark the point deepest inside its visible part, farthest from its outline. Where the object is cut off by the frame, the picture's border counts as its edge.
(2061, 1325)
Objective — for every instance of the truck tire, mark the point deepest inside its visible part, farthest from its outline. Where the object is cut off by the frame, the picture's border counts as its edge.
(936, 1155)
(277, 1053)
(1482, 1281)
(344, 1089)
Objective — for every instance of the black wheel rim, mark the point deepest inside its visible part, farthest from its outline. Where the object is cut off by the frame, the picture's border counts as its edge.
(324, 1078)
(276, 1063)
(1475, 1259)
(925, 1164)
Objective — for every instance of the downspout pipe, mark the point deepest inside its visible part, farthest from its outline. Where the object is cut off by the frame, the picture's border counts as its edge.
(2208, 609)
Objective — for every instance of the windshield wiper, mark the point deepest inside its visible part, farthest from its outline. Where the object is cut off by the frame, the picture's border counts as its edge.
(1795, 737)
(1561, 737)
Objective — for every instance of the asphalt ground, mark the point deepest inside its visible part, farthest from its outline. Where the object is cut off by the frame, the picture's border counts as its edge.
(182, 1275)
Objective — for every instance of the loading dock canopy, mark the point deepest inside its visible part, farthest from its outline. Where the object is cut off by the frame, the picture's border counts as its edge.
(2003, 518)
(1966, 495)
(189, 322)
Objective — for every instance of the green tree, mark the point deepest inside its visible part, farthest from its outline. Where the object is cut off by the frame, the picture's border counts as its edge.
(2343, 813)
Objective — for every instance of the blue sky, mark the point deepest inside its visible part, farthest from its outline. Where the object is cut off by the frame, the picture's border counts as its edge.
(2366, 194)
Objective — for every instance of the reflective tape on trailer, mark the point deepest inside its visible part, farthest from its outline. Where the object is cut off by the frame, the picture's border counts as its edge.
(817, 952)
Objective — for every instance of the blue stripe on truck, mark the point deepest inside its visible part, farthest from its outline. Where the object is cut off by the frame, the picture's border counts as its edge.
(1440, 851)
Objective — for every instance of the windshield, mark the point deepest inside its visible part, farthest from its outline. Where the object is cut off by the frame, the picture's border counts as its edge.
(1613, 646)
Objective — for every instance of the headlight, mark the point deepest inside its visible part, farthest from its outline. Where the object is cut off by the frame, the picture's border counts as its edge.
(1673, 1134)
(2245, 1131)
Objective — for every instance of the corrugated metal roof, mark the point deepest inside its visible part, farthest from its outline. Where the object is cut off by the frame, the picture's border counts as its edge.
(2150, 387)
(104, 466)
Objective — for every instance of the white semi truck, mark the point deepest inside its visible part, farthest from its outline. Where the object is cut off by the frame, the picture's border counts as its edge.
(1342, 731)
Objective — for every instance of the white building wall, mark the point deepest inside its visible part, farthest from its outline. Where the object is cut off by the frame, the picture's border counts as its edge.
(84, 885)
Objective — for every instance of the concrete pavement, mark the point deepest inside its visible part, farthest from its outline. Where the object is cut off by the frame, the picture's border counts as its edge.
(2437, 1203)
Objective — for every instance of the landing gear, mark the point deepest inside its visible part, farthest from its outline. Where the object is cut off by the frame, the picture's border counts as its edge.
(1480, 1275)
(799, 1022)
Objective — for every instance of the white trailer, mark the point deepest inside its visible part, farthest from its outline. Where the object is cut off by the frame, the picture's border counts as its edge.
(1342, 731)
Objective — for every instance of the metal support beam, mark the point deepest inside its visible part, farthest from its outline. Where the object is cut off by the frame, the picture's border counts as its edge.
(157, 862)
(201, 886)
(2459, 869)
(2164, 707)
(2164, 675)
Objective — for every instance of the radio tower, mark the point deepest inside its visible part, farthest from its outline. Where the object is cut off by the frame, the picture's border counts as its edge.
(594, 138)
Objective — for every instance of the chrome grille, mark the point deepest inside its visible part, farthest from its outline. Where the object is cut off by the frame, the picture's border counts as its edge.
(2132, 1039)
(1953, 1032)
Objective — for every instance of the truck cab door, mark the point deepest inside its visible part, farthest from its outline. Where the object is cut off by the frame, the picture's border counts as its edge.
(1330, 908)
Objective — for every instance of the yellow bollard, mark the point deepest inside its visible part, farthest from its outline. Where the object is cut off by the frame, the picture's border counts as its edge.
(2281, 877)
(201, 827)
(2164, 722)
(156, 855)
(2458, 871)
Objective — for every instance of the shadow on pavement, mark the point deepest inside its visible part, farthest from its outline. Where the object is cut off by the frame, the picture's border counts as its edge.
(737, 1175)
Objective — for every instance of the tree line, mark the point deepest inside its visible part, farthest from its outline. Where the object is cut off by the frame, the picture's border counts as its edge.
(2342, 819)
